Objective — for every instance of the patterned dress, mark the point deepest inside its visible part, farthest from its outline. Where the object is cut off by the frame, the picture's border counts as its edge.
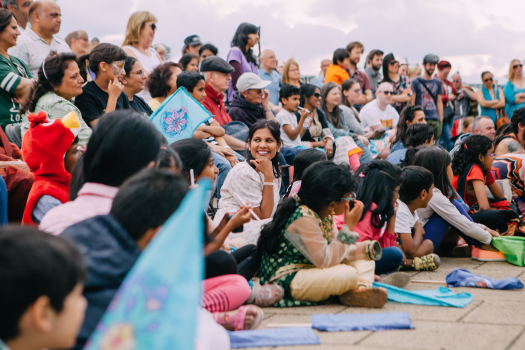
(281, 268)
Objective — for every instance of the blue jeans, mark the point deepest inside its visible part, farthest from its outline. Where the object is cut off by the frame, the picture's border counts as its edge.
(3, 202)
(436, 228)
(390, 261)
(290, 153)
(238, 130)
(224, 168)
(446, 134)
(367, 155)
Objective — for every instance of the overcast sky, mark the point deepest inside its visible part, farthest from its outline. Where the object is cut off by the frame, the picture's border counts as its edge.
(474, 35)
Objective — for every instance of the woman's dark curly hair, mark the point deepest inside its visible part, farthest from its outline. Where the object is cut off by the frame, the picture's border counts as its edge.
(55, 66)
(469, 151)
(322, 184)
(158, 79)
(377, 181)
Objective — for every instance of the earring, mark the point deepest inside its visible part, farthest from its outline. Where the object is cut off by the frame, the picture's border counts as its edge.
(125, 83)
(333, 212)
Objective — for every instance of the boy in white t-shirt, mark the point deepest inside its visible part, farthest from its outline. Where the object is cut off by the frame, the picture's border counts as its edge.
(415, 192)
(379, 113)
(291, 129)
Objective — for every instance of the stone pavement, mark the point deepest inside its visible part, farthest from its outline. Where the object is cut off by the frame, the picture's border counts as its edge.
(495, 320)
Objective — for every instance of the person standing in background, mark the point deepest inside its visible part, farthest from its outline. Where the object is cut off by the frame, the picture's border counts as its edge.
(163, 51)
(20, 9)
(291, 73)
(403, 70)
(78, 42)
(427, 92)
(355, 50)
(241, 56)
(319, 80)
(207, 50)
(400, 83)
(140, 33)
(36, 43)
(374, 61)
(490, 97)
(268, 72)
(515, 88)
(448, 97)
(192, 44)
(466, 104)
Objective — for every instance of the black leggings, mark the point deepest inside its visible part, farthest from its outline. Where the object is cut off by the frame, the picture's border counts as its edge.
(245, 261)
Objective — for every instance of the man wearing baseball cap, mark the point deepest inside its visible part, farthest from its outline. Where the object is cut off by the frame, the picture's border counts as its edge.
(427, 92)
(216, 72)
(250, 102)
(192, 44)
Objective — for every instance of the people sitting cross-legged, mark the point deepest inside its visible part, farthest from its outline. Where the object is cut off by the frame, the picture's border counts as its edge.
(303, 251)
(379, 191)
(257, 180)
(50, 151)
(472, 166)
(59, 81)
(445, 219)
(417, 134)
(123, 143)
(211, 131)
(415, 191)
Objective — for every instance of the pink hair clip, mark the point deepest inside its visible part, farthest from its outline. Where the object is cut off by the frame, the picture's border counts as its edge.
(466, 146)
(361, 175)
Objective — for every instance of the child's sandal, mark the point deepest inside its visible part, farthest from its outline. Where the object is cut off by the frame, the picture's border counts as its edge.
(266, 295)
(428, 262)
(237, 322)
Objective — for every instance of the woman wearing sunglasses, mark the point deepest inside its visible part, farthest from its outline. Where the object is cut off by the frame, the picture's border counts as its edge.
(515, 88)
(104, 94)
(134, 82)
(490, 97)
(401, 84)
(140, 34)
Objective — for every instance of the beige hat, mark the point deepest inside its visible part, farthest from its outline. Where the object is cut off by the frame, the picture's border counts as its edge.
(249, 81)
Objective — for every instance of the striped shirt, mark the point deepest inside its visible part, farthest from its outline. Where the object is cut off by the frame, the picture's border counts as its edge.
(11, 73)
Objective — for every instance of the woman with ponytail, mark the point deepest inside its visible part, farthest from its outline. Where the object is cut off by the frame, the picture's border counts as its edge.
(105, 93)
(303, 251)
(59, 81)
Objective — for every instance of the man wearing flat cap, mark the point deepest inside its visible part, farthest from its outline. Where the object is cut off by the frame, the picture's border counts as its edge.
(216, 72)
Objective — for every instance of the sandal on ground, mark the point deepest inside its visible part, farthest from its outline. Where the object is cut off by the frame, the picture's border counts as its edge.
(236, 322)
(396, 279)
(462, 251)
(266, 295)
(371, 297)
(428, 262)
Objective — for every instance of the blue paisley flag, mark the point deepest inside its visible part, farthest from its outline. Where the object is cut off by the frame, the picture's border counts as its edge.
(156, 305)
(179, 116)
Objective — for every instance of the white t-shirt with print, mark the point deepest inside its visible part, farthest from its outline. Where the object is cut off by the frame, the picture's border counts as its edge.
(371, 116)
(405, 220)
(286, 118)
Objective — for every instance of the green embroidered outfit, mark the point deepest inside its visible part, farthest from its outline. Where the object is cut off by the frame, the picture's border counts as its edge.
(281, 268)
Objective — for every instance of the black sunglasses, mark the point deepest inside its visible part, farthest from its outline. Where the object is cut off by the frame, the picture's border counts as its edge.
(387, 92)
(153, 26)
(317, 95)
(517, 65)
(487, 80)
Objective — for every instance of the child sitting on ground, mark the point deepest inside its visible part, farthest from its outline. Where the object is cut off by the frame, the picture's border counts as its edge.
(303, 251)
(50, 151)
(38, 309)
(291, 128)
(415, 191)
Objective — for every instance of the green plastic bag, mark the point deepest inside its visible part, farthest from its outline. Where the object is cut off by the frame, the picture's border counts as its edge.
(512, 247)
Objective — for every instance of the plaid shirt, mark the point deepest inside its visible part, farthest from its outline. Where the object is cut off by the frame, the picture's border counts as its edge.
(33, 50)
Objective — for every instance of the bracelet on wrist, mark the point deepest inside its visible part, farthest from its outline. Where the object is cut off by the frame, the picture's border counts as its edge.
(268, 184)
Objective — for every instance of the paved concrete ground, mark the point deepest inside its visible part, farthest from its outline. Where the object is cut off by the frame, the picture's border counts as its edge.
(495, 320)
